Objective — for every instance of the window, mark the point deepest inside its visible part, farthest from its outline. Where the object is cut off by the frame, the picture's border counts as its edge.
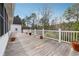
(6, 21)
(3, 20)
(1, 26)
(1, 9)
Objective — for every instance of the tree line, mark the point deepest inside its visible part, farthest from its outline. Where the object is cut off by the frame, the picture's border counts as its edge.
(71, 13)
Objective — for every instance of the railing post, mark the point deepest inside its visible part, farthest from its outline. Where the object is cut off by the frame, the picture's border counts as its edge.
(43, 32)
(30, 31)
(34, 31)
(59, 35)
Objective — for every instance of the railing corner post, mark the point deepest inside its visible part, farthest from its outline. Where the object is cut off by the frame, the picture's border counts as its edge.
(43, 32)
(30, 30)
(59, 35)
(34, 31)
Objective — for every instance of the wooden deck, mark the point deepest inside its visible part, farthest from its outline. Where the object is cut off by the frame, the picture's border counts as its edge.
(26, 45)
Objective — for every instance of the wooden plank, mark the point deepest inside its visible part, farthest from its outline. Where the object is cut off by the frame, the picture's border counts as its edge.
(26, 45)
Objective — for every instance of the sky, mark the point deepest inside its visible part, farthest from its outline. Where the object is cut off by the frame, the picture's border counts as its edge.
(25, 9)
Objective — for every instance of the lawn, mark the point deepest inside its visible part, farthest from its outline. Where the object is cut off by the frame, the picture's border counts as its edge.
(51, 34)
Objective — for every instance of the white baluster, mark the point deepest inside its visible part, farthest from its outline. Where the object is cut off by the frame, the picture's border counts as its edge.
(76, 36)
(68, 36)
(64, 35)
(71, 36)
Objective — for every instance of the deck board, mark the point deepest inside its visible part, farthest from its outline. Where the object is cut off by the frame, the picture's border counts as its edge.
(26, 45)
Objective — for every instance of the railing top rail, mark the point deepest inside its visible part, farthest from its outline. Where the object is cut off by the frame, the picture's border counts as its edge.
(55, 30)
(52, 30)
(38, 30)
(58, 30)
(70, 31)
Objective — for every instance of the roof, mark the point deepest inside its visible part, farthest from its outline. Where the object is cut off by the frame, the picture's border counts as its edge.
(17, 20)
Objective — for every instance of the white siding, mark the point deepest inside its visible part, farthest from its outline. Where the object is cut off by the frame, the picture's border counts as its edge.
(14, 27)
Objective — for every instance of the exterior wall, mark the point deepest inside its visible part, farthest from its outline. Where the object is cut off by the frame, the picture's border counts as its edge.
(10, 11)
(5, 37)
(6, 17)
(16, 28)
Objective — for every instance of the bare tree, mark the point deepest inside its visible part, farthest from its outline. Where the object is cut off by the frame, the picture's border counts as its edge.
(46, 13)
(33, 18)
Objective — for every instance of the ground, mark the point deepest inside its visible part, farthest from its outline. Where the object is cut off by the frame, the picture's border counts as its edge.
(26, 45)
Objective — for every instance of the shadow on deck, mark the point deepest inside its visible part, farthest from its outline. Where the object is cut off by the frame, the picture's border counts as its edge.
(26, 45)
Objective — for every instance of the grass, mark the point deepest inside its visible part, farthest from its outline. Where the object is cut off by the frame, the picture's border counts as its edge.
(52, 34)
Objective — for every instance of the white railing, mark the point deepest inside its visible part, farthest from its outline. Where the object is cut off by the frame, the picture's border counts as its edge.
(59, 35)
(69, 36)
